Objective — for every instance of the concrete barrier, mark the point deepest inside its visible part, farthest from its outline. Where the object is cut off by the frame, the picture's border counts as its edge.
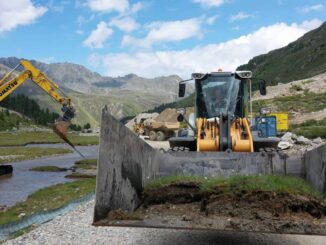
(315, 168)
(126, 162)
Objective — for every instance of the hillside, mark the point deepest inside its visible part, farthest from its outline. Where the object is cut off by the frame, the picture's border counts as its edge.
(127, 95)
(303, 58)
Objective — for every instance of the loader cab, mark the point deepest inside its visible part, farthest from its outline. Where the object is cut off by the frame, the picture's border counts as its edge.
(221, 92)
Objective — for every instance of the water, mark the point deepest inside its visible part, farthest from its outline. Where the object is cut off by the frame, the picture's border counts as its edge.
(22, 182)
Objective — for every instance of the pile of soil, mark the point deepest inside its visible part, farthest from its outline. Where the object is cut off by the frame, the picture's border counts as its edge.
(168, 115)
(182, 205)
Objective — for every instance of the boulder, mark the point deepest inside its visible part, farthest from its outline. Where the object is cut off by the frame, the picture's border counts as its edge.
(303, 141)
(317, 140)
(287, 137)
(283, 145)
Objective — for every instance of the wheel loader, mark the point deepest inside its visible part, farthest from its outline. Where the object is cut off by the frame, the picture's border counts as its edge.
(220, 122)
(220, 143)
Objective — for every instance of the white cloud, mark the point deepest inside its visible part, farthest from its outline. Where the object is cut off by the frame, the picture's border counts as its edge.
(98, 36)
(136, 7)
(108, 5)
(210, 3)
(240, 16)
(211, 20)
(126, 24)
(160, 32)
(316, 7)
(227, 55)
(18, 12)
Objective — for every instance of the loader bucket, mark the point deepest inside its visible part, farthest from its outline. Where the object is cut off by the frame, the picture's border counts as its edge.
(127, 163)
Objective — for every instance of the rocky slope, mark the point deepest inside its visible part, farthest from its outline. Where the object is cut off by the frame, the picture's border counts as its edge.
(303, 58)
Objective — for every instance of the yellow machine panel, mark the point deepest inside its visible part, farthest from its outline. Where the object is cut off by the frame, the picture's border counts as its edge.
(282, 120)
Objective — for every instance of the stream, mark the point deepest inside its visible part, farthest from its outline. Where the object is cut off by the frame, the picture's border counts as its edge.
(16, 187)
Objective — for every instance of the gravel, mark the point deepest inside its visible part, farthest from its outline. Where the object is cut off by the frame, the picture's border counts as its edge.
(75, 228)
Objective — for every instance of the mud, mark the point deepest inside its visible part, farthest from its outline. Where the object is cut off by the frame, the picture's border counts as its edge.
(184, 206)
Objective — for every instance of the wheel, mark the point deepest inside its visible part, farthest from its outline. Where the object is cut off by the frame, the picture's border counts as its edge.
(152, 135)
(160, 136)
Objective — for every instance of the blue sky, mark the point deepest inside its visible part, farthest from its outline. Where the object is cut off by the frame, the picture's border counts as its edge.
(155, 37)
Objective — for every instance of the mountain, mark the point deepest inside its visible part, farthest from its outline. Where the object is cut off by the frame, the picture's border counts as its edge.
(81, 79)
(303, 58)
(89, 91)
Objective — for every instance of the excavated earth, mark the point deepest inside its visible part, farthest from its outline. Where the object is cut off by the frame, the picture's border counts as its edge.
(183, 205)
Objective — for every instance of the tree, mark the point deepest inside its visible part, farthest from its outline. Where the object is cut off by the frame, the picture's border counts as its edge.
(87, 126)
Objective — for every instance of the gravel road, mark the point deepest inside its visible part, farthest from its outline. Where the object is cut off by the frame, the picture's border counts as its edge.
(75, 228)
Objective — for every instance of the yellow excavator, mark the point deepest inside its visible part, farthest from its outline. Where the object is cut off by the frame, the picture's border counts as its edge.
(9, 85)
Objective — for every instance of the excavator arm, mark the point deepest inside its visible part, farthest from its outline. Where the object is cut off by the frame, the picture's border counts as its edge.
(39, 78)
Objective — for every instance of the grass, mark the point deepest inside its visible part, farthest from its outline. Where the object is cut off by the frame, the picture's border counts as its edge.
(48, 198)
(24, 138)
(80, 176)
(307, 102)
(86, 164)
(14, 154)
(48, 169)
(310, 129)
(270, 183)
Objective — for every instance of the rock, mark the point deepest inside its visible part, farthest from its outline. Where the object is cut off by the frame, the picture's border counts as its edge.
(287, 137)
(21, 215)
(317, 141)
(303, 141)
(283, 145)
(186, 218)
(294, 137)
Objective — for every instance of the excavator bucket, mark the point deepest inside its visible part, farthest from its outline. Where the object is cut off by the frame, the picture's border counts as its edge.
(126, 164)
(60, 127)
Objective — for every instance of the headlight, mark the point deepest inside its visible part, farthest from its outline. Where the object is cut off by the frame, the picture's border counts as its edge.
(244, 74)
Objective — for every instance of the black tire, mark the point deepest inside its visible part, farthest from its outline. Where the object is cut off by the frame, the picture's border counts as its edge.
(152, 135)
(179, 149)
(160, 136)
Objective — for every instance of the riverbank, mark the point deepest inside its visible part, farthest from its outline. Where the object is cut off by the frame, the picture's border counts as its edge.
(47, 199)
(24, 138)
(23, 182)
(16, 154)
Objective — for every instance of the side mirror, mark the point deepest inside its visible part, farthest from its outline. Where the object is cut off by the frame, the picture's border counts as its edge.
(182, 89)
(262, 87)
(180, 118)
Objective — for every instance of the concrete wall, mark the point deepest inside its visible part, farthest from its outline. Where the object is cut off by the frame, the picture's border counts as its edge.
(126, 162)
(315, 168)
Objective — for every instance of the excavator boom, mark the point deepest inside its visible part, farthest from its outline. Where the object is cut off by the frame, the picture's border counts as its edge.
(8, 85)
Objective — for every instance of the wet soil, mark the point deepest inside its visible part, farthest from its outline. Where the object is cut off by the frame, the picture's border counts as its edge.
(182, 205)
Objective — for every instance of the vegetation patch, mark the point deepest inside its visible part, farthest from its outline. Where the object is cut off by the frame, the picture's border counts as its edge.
(48, 169)
(14, 154)
(238, 183)
(49, 198)
(24, 138)
(86, 164)
(307, 102)
(80, 176)
(310, 129)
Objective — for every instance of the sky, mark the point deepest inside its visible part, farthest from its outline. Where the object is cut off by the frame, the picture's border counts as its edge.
(153, 37)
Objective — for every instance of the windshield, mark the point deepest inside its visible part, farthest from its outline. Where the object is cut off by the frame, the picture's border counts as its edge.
(217, 94)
